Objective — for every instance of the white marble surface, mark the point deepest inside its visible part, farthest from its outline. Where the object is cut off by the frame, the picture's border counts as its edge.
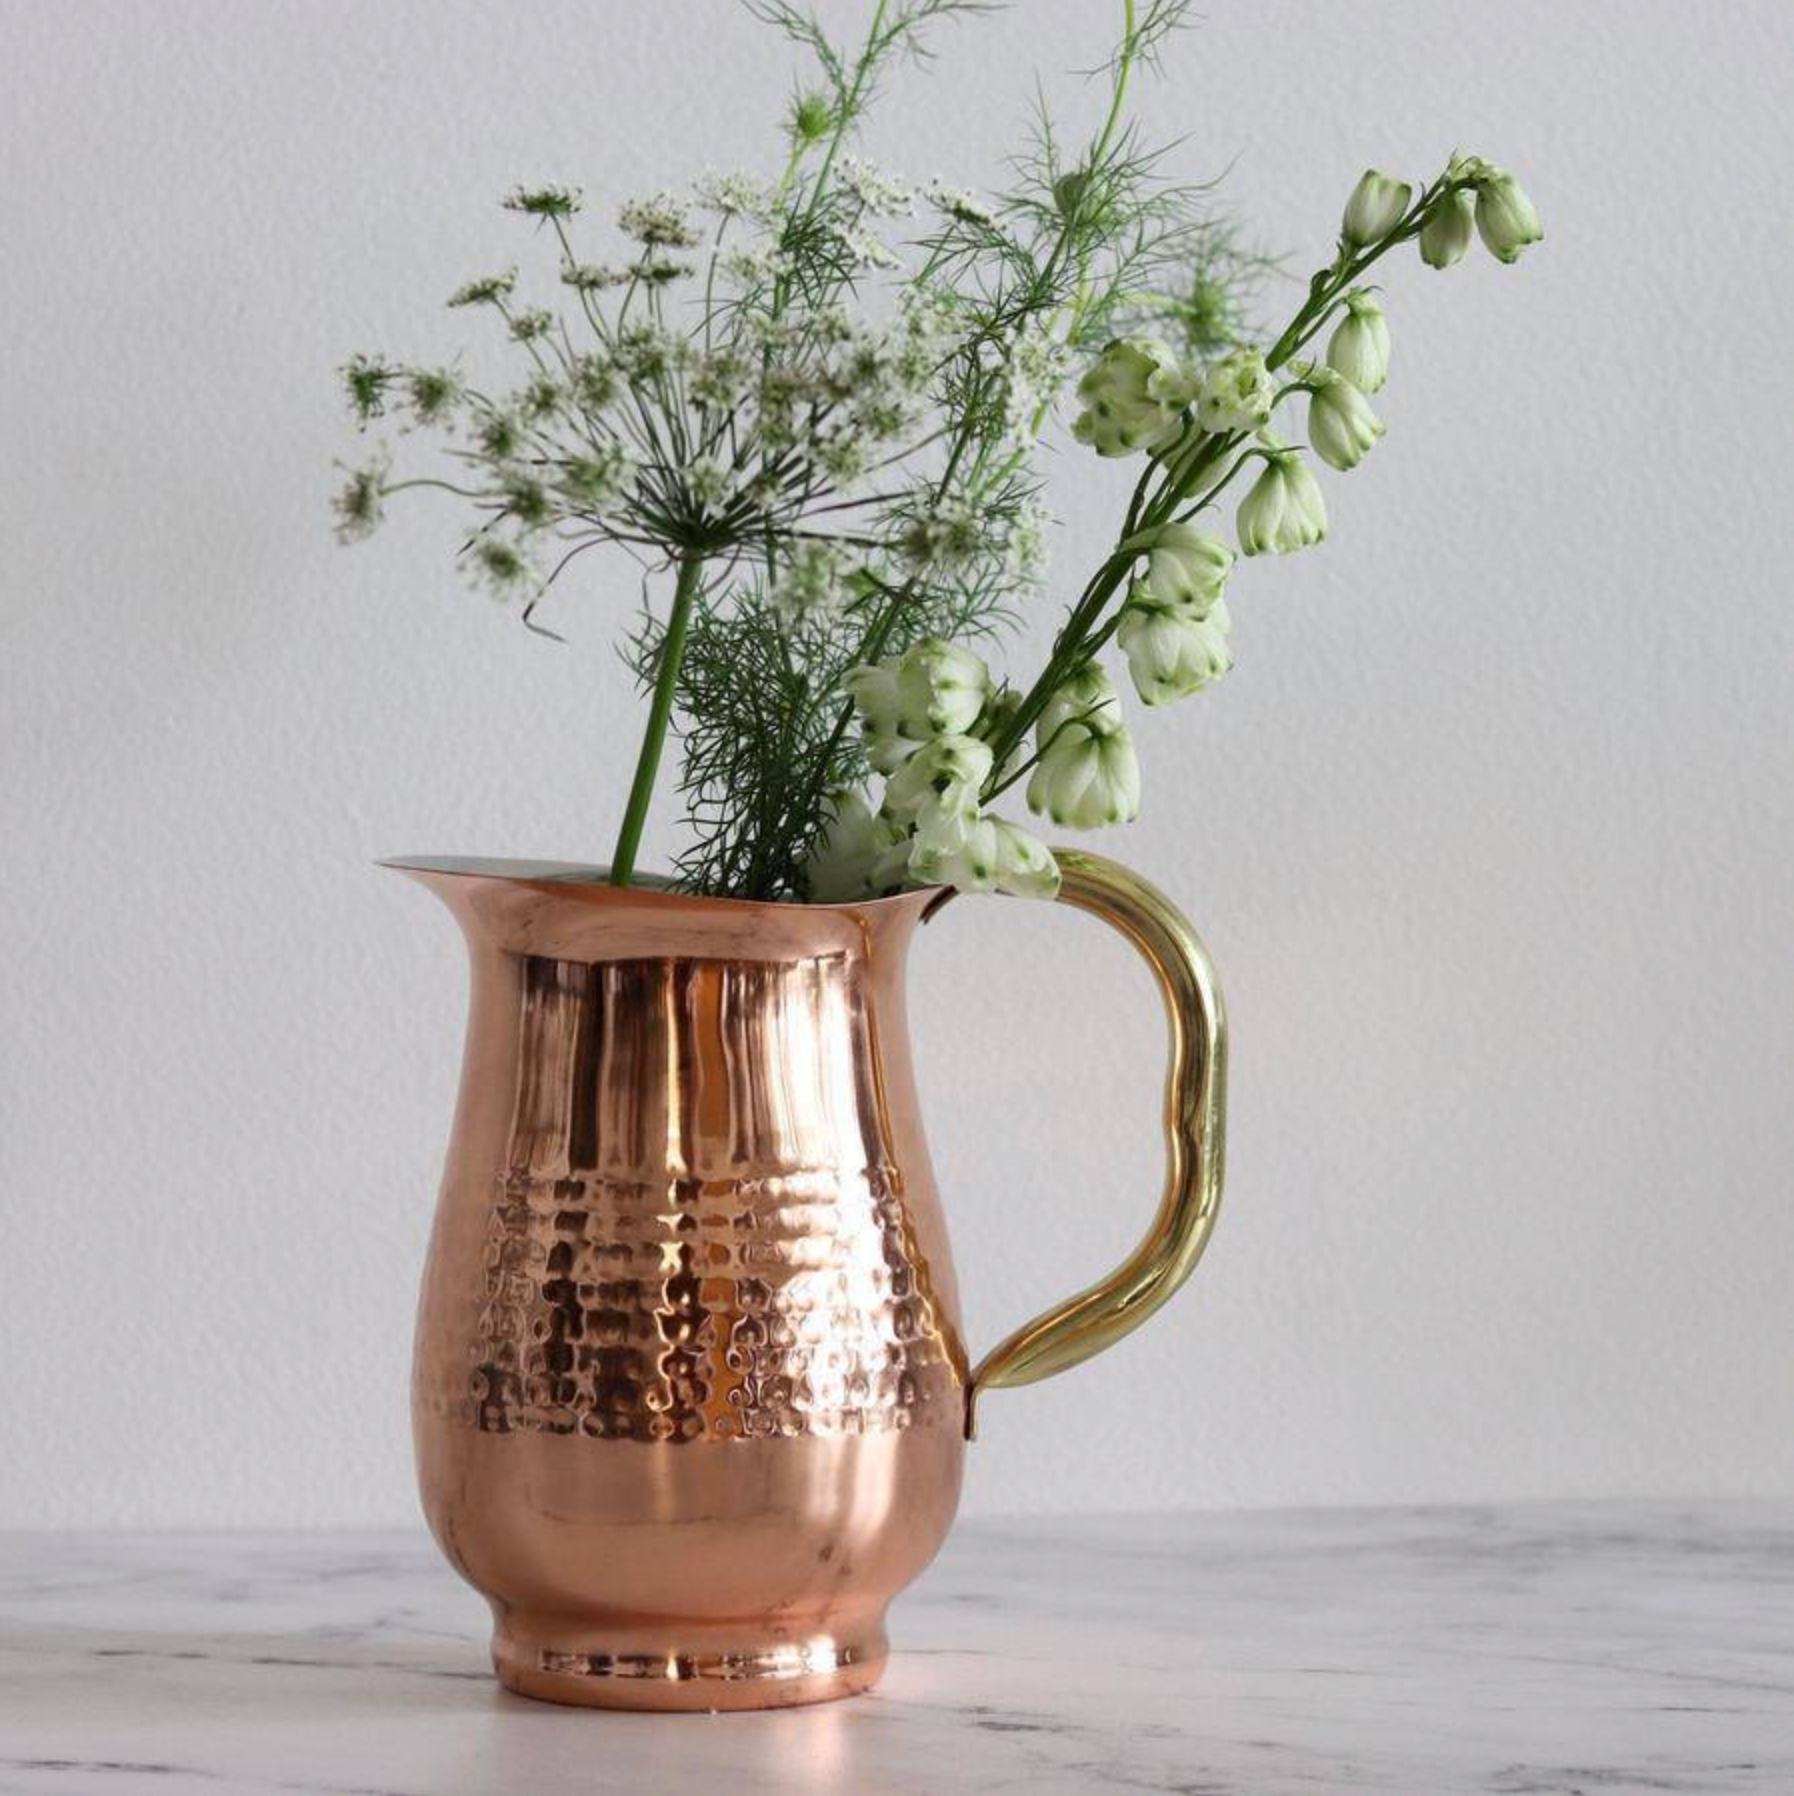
(1515, 1651)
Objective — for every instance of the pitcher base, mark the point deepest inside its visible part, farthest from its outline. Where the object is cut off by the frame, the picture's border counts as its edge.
(695, 1670)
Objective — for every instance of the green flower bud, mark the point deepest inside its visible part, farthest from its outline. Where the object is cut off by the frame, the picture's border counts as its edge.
(812, 118)
(1359, 348)
(1376, 207)
(1505, 218)
(1446, 234)
(1341, 426)
(1068, 190)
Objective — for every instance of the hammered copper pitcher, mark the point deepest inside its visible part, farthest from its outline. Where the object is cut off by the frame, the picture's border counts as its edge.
(690, 1394)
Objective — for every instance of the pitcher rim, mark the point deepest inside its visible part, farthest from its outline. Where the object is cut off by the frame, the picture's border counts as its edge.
(586, 878)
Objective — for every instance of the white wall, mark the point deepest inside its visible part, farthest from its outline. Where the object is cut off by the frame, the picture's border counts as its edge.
(1489, 830)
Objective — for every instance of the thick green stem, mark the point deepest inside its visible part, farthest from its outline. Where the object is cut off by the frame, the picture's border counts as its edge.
(660, 715)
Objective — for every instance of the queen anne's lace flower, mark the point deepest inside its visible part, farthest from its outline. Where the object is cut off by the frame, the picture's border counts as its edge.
(734, 195)
(959, 203)
(360, 503)
(868, 250)
(811, 585)
(659, 222)
(593, 483)
(503, 567)
(879, 193)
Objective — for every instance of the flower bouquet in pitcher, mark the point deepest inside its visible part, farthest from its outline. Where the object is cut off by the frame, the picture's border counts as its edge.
(690, 1391)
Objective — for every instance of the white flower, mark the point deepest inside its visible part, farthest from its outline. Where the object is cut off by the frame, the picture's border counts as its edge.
(360, 502)
(1360, 346)
(995, 856)
(1038, 364)
(1088, 773)
(754, 267)
(1089, 696)
(959, 203)
(1025, 865)
(867, 250)
(1341, 426)
(1284, 510)
(1375, 208)
(1236, 393)
(935, 689)
(1187, 566)
(944, 537)
(733, 195)
(941, 689)
(503, 566)
(1086, 780)
(488, 290)
(593, 483)
(882, 196)
(1132, 396)
(658, 222)
(720, 380)
(811, 584)
(1172, 650)
(937, 790)
(1446, 234)
(848, 851)
(1504, 215)
(593, 277)
(1025, 545)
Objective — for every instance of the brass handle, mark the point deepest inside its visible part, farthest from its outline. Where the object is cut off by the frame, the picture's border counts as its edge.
(1195, 1137)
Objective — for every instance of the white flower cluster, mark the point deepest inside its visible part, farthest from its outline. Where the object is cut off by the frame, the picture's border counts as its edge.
(811, 586)
(924, 715)
(879, 193)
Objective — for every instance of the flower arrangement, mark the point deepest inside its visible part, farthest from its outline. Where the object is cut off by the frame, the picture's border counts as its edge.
(816, 406)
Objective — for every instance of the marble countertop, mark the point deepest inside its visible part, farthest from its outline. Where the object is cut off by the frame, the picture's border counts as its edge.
(1517, 1651)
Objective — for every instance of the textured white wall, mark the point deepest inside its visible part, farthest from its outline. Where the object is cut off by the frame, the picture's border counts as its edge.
(1489, 831)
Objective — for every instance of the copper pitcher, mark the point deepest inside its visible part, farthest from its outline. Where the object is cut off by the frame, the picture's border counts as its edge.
(690, 1394)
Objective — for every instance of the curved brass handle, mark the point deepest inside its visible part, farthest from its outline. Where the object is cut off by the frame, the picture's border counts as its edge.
(1195, 1137)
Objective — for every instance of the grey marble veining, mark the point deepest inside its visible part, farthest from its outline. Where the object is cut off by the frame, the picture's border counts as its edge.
(1514, 1651)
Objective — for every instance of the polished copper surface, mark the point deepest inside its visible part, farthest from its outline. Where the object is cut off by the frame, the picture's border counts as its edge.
(690, 1397)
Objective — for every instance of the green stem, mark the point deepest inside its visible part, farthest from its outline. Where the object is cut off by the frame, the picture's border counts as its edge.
(660, 714)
